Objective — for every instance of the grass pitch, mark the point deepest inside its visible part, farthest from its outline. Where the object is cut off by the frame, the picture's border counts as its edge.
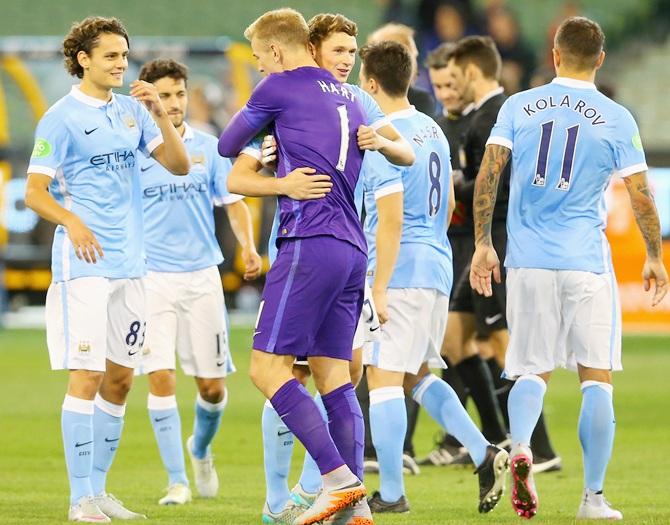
(33, 484)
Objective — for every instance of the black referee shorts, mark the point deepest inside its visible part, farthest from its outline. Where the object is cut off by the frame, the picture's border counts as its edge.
(489, 312)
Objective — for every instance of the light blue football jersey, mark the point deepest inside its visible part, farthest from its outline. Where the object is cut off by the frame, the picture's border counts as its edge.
(374, 117)
(425, 258)
(90, 148)
(179, 233)
(567, 140)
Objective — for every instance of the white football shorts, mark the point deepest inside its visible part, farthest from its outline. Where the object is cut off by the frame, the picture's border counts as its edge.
(414, 332)
(91, 319)
(186, 315)
(559, 318)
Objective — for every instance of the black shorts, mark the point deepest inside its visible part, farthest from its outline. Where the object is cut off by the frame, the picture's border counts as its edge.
(462, 248)
(489, 312)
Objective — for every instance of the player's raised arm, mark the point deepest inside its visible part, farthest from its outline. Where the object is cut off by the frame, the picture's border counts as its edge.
(387, 141)
(172, 153)
(485, 260)
(649, 224)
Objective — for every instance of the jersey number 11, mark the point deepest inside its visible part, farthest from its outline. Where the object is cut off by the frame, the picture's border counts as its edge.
(540, 178)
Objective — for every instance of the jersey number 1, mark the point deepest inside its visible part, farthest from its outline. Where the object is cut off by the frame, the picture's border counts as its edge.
(540, 178)
(344, 137)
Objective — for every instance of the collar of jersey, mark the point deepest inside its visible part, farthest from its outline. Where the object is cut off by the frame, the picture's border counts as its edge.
(489, 96)
(89, 101)
(188, 132)
(573, 82)
(403, 113)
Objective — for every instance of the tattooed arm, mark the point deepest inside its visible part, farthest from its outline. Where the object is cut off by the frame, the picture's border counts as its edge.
(486, 188)
(485, 259)
(648, 222)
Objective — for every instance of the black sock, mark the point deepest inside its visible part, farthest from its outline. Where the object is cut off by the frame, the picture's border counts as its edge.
(502, 388)
(477, 378)
(412, 408)
(539, 441)
(451, 377)
(363, 396)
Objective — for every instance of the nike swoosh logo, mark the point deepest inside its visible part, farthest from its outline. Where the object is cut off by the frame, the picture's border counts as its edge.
(221, 363)
(132, 353)
(107, 440)
(374, 329)
(283, 433)
(89, 131)
(145, 168)
(159, 419)
(492, 319)
(77, 445)
(256, 333)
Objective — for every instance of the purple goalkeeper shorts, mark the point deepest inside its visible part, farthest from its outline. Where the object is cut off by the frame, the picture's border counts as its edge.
(312, 299)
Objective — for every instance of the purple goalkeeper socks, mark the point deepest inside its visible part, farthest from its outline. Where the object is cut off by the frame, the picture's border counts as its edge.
(345, 422)
(295, 406)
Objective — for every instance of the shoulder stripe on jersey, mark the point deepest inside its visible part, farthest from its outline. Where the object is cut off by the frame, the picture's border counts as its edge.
(43, 170)
(388, 190)
(632, 170)
(500, 141)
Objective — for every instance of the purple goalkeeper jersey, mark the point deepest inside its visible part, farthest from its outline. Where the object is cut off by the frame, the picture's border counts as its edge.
(315, 120)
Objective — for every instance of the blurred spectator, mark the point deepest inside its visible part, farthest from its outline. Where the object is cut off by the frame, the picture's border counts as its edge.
(542, 76)
(401, 11)
(569, 9)
(422, 100)
(518, 57)
(444, 21)
(200, 111)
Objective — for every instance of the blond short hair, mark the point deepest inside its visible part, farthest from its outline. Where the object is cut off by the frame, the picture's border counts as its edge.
(285, 25)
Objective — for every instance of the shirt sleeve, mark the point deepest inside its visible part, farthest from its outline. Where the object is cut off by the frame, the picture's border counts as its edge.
(253, 149)
(380, 178)
(263, 107)
(220, 193)
(502, 133)
(52, 142)
(150, 135)
(628, 151)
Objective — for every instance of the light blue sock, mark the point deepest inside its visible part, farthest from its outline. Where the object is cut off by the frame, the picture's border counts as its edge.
(596, 431)
(77, 429)
(388, 426)
(166, 423)
(107, 428)
(525, 406)
(206, 424)
(441, 402)
(277, 451)
(310, 478)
